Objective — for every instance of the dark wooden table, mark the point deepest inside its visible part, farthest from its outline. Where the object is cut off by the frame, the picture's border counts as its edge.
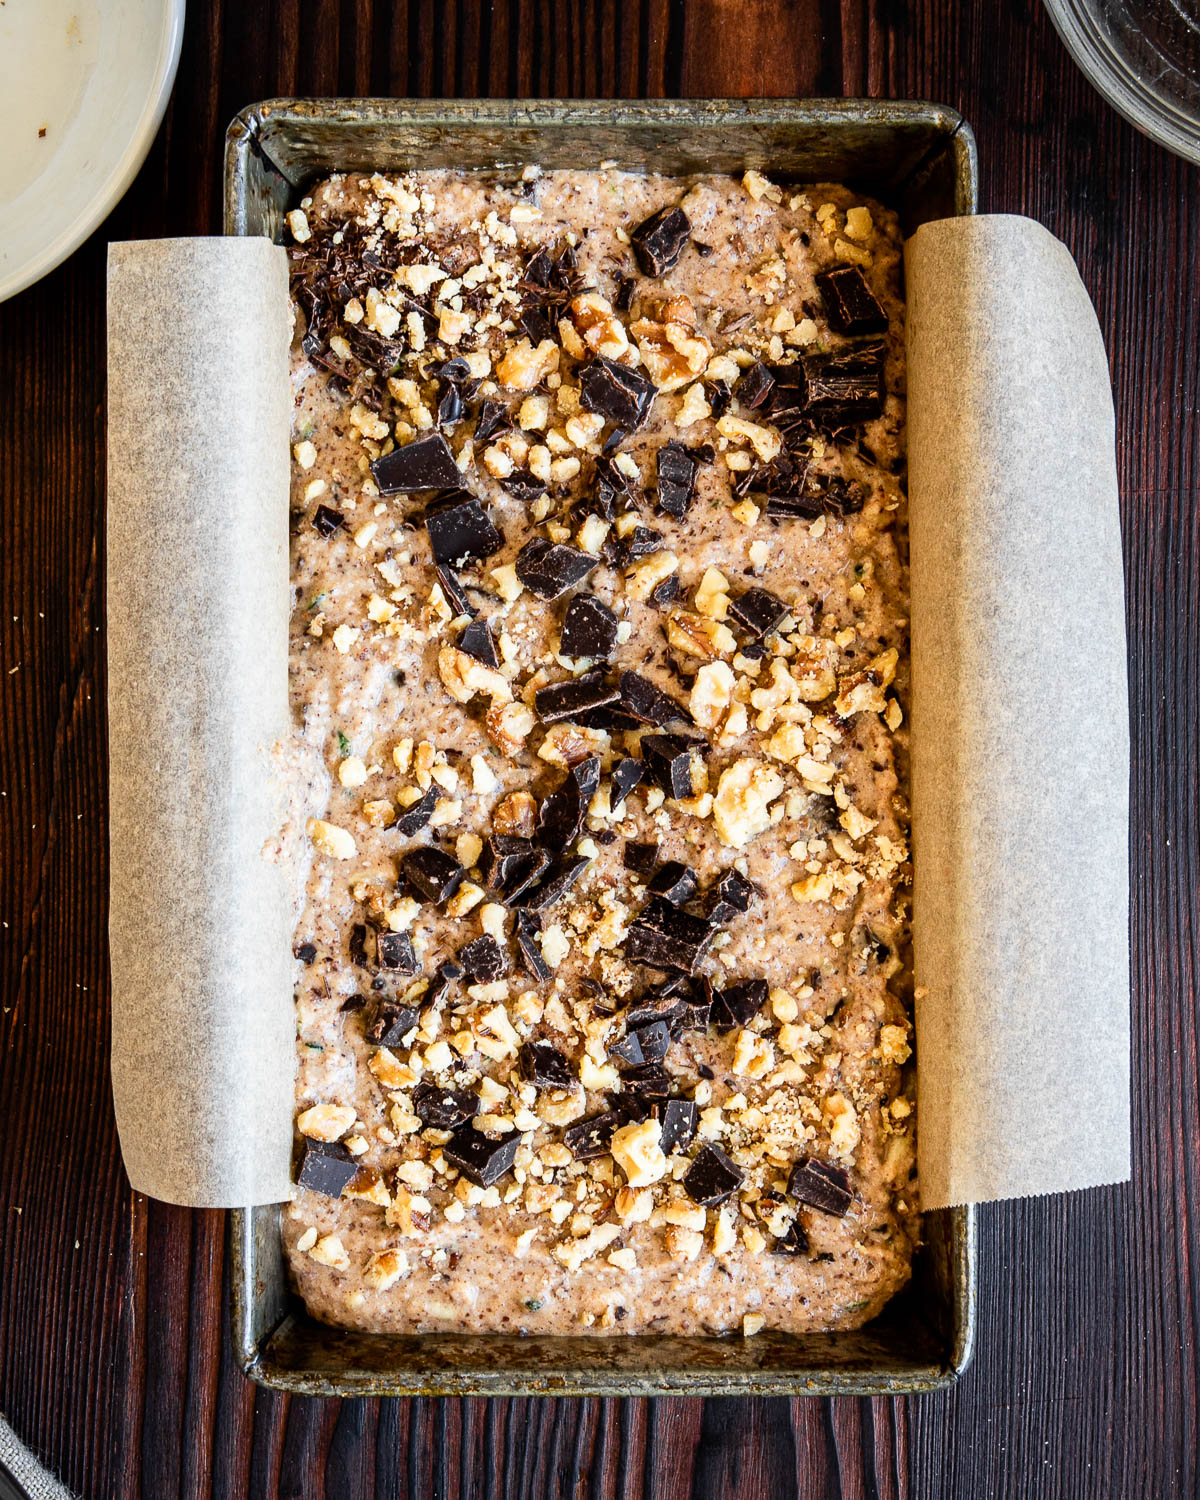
(114, 1348)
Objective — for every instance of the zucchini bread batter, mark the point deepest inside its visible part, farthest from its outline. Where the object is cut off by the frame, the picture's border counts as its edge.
(598, 659)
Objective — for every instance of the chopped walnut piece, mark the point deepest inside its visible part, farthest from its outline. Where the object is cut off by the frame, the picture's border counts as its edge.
(330, 1251)
(516, 815)
(523, 366)
(636, 1150)
(711, 694)
(863, 691)
(672, 351)
(464, 676)
(699, 636)
(842, 1123)
(326, 1122)
(682, 1245)
(741, 807)
(509, 725)
(328, 838)
(597, 324)
(644, 577)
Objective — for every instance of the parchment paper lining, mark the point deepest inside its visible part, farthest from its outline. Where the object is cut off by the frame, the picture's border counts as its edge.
(1019, 724)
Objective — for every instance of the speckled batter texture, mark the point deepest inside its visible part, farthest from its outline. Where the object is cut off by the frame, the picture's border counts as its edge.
(796, 781)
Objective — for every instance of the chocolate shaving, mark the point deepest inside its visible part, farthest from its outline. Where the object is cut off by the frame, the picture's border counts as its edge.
(414, 818)
(528, 927)
(555, 886)
(454, 592)
(492, 421)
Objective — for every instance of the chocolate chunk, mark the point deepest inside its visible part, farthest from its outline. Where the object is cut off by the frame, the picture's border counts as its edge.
(544, 1066)
(665, 1004)
(433, 874)
(739, 1004)
(851, 304)
(484, 960)
(676, 479)
(523, 486)
(675, 883)
(425, 464)
(793, 1241)
(646, 702)
(642, 859)
(462, 530)
(677, 1120)
(843, 389)
(649, 1081)
(659, 240)
(536, 325)
(510, 865)
(548, 569)
(627, 774)
(358, 945)
(623, 293)
(668, 761)
(654, 1041)
(588, 1139)
(793, 507)
(454, 592)
(616, 393)
(667, 938)
(325, 1167)
(840, 497)
(390, 1023)
(640, 542)
(455, 370)
(555, 886)
(477, 641)
(821, 1185)
(758, 611)
(663, 593)
(612, 484)
(326, 520)
(478, 1157)
(573, 697)
(711, 1178)
(628, 1050)
(528, 928)
(443, 1109)
(493, 420)
(562, 812)
(446, 976)
(450, 407)
(306, 953)
(755, 386)
(395, 951)
(733, 895)
(414, 818)
(589, 629)
(719, 396)
(697, 1012)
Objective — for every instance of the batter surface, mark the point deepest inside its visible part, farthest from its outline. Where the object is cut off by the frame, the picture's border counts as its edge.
(598, 664)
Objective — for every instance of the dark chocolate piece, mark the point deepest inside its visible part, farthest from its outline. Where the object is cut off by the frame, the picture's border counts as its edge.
(642, 859)
(677, 1119)
(414, 818)
(455, 370)
(667, 938)
(821, 1185)
(548, 569)
(493, 420)
(852, 306)
(555, 886)
(711, 1178)
(589, 629)
(623, 293)
(668, 761)
(390, 1023)
(394, 950)
(646, 702)
(462, 530)
(588, 1139)
(450, 408)
(446, 976)
(739, 1004)
(325, 1167)
(662, 595)
(483, 959)
(654, 1041)
(719, 396)
(326, 520)
(443, 1109)
(476, 640)
(665, 1004)
(628, 1050)
(675, 883)
(659, 240)
(562, 812)
(573, 697)
(755, 386)
(358, 945)
(478, 1157)
(627, 774)
(523, 486)
(510, 865)
(732, 896)
(793, 1241)
(424, 464)
(616, 393)
(649, 1081)
(793, 507)
(432, 873)
(611, 485)
(306, 953)
(640, 542)
(676, 479)
(843, 389)
(758, 611)
(454, 592)
(528, 928)
(544, 1066)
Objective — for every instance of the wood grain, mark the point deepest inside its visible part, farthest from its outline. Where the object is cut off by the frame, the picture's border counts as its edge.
(115, 1361)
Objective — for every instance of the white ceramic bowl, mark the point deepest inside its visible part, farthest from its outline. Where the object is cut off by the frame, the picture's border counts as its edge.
(83, 88)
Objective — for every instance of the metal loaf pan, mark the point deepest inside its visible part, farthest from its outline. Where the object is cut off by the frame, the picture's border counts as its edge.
(919, 159)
